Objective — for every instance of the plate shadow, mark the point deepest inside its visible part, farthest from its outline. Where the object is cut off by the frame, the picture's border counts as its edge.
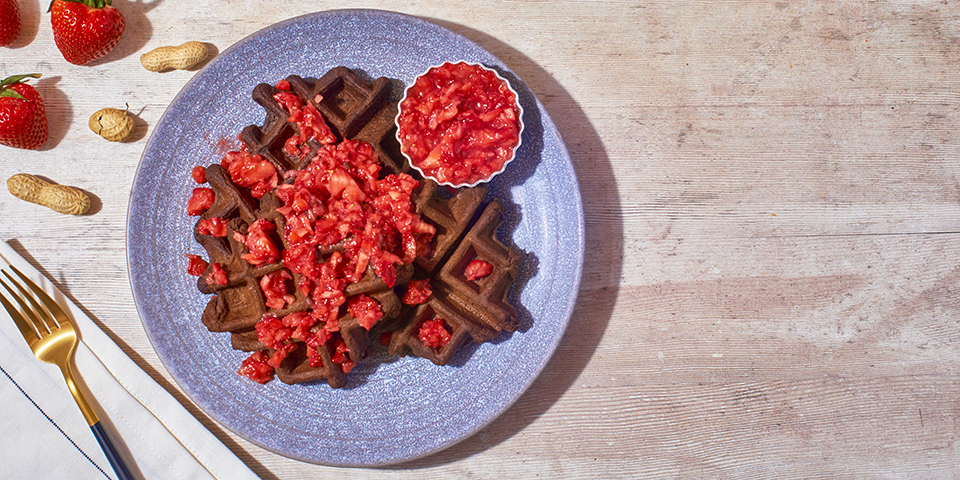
(588, 322)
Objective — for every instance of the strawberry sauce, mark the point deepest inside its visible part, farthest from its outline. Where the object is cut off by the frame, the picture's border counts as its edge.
(459, 123)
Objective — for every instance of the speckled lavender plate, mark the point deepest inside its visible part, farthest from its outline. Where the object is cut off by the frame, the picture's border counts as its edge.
(392, 409)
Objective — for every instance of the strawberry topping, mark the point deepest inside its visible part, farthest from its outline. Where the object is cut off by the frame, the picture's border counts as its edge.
(434, 333)
(200, 200)
(477, 269)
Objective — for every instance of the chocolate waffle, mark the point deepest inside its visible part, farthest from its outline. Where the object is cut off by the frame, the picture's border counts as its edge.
(356, 109)
(230, 201)
(296, 367)
(353, 108)
(451, 215)
(473, 310)
(239, 303)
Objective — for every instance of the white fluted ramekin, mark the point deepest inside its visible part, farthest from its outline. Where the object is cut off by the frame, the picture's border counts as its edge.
(513, 152)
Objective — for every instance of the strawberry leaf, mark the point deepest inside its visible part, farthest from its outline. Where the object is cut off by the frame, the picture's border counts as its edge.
(6, 82)
(11, 93)
(89, 3)
(6, 91)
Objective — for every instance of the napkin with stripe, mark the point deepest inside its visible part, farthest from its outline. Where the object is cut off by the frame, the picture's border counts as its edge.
(43, 434)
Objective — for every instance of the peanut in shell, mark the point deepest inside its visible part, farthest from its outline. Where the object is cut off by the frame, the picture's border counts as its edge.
(60, 198)
(181, 57)
(112, 124)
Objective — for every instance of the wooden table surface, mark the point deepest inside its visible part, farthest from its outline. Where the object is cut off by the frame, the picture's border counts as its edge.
(772, 203)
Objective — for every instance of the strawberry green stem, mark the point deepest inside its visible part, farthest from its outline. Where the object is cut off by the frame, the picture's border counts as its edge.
(89, 3)
(6, 91)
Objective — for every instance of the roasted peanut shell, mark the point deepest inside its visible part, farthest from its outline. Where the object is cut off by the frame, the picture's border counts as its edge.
(60, 198)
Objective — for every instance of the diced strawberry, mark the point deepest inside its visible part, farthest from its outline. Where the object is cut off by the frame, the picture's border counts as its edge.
(433, 333)
(292, 147)
(199, 174)
(261, 246)
(313, 357)
(274, 287)
(315, 339)
(341, 221)
(280, 354)
(200, 201)
(218, 275)
(338, 181)
(341, 356)
(418, 291)
(250, 171)
(386, 271)
(288, 100)
(272, 332)
(477, 269)
(316, 127)
(255, 368)
(196, 265)
(366, 310)
(301, 258)
(216, 227)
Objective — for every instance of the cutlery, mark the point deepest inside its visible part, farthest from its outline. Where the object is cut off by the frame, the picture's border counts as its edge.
(53, 339)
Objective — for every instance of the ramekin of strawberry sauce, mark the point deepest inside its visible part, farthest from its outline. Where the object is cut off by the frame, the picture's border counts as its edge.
(459, 124)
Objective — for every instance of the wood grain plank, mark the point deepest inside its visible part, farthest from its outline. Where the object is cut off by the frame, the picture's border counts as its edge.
(772, 203)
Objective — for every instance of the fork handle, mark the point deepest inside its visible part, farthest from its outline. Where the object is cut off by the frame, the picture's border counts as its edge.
(106, 444)
(113, 456)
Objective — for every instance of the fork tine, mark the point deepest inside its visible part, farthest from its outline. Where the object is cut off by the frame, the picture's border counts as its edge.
(52, 306)
(36, 314)
(25, 329)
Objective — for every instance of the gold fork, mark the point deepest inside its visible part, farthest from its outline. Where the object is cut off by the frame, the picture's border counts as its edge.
(53, 339)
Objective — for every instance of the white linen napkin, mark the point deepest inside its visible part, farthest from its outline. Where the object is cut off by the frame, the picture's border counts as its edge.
(44, 435)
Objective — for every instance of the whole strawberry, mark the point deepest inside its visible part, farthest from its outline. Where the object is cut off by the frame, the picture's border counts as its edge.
(23, 118)
(85, 30)
(9, 22)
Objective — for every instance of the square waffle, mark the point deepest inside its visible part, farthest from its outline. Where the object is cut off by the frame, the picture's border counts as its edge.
(352, 107)
(473, 310)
